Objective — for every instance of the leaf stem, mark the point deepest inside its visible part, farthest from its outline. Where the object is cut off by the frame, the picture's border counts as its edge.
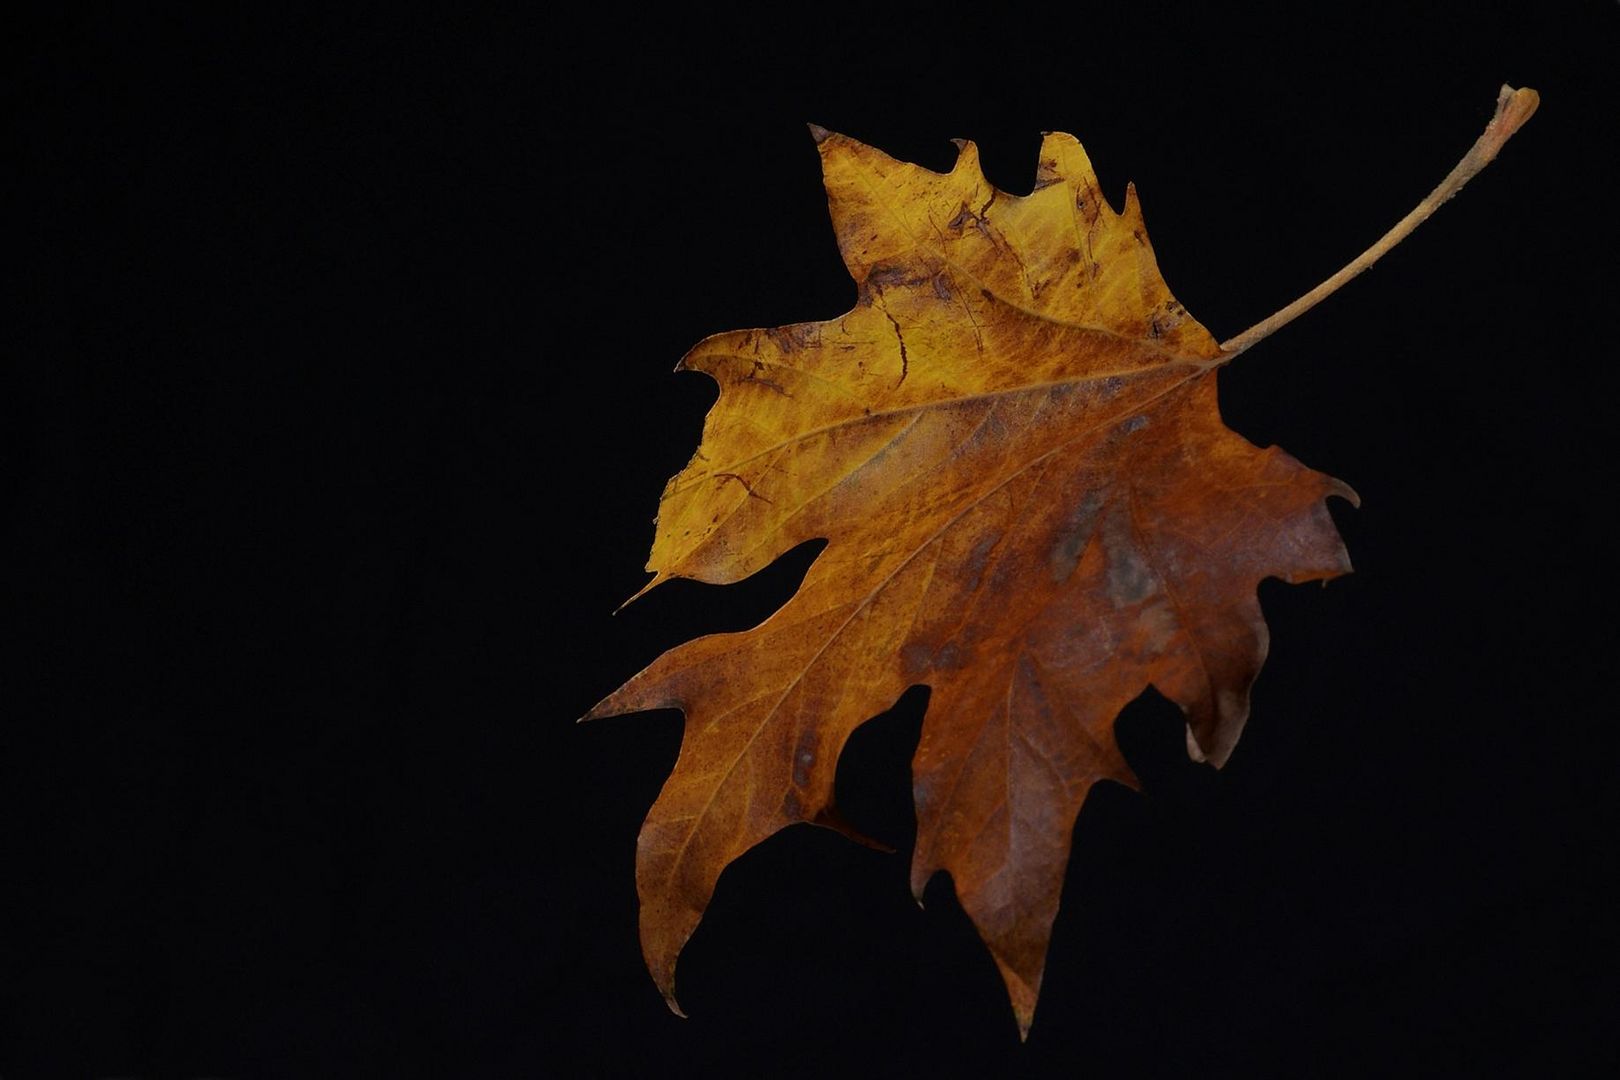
(1513, 108)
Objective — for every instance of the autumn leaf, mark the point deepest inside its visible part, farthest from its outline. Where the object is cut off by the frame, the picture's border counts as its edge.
(1013, 447)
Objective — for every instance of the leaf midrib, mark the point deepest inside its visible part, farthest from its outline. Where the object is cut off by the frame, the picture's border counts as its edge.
(1197, 366)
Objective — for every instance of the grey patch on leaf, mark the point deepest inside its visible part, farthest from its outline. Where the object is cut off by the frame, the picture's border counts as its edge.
(1073, 536)
(1128, 577)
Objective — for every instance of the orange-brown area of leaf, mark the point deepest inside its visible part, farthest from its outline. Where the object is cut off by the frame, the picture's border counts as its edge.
(1013, 447)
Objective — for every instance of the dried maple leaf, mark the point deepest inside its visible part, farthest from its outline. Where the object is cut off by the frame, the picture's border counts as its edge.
(1013, 446)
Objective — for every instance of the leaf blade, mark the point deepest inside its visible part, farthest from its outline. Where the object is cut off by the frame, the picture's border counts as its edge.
(1013, 446)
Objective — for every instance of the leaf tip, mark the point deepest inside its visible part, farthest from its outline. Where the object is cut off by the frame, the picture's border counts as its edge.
(1194, 751)
(661, 966)
(1132, 210)
(1344, 491)
(597, 711)
(658, 578)
(920, 876)
(819, 133)
(1023, 995)
(967, 157)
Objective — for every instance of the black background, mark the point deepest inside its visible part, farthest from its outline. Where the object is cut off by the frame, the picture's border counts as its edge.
(337, 383)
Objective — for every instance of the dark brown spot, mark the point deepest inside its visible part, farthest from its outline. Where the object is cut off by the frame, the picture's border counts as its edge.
(752, 494)
(804, 757)
(915, 659)
(794, 337)
(905, 360)
(1174, 315)
(885, 276)
(754, 376)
